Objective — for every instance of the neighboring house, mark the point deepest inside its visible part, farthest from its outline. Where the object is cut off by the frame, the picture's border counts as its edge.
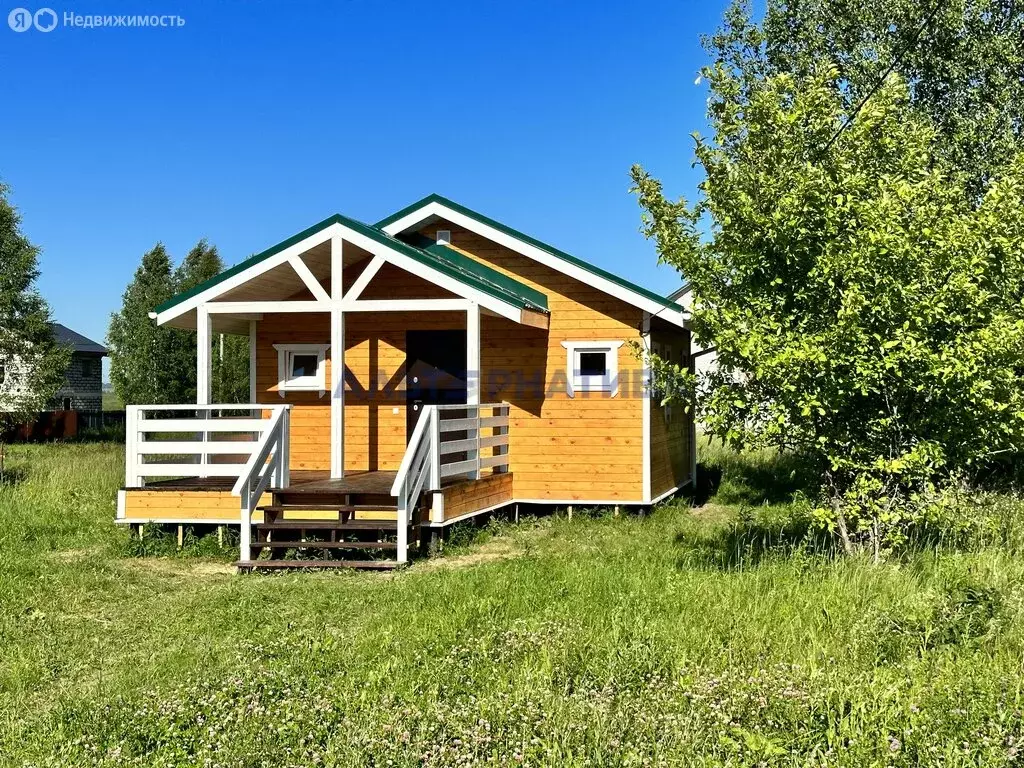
(83, 384)
(705, 359)
(82, 387)
(482, 369)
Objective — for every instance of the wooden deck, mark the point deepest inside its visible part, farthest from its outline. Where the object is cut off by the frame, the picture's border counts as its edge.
(197, 500)
(377, 483)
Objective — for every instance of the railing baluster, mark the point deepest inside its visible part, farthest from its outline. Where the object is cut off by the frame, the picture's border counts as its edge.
(140, 437)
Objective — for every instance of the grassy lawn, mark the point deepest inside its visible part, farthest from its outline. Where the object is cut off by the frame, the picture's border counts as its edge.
(688, 637)
(111, 402)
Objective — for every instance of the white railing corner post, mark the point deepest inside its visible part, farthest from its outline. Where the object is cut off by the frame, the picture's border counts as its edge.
(286, 443)
(139, 479)
(129, 444)
(479, 434)
(402, 555)
(435, 448)
(245, 529)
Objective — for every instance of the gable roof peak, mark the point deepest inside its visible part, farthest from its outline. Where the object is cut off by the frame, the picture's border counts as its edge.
(409, 217)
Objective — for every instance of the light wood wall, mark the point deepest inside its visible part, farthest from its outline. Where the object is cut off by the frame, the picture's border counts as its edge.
(585, 448)
(374, 373)
(671, 426)
(142, 505)
(488, 492)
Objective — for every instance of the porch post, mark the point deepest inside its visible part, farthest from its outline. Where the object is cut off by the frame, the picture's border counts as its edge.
(203, 340)
(473, 375)
(473, 355)
(252, 361)
(203, 371)
(337, 362)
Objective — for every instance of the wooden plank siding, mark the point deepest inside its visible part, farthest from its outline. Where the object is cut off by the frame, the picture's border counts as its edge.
(671, 426)
(561, 448)
(486, 493)
(144, 505)
(586, 448)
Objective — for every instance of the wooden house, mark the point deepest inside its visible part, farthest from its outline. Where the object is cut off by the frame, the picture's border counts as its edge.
(405, 375)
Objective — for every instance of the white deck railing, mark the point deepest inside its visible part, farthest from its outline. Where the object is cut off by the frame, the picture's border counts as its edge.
(170, 441)
(448, 442)
(268, 464)
(246, 442)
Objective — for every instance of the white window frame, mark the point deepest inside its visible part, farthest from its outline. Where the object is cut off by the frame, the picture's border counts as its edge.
(576, 383)
(315, 383)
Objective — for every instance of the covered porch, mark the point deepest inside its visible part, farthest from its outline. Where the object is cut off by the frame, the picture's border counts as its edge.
(342, 407)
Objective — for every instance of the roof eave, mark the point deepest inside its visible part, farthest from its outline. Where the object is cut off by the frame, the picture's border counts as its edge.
(437, 205)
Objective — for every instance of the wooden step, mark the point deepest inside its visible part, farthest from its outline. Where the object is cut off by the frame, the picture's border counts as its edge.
(324, 545)
(320, 507)
(298, 565)
(328, 525)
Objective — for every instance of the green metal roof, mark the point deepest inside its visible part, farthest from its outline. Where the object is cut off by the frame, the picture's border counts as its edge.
(445, 260)
(527, 239)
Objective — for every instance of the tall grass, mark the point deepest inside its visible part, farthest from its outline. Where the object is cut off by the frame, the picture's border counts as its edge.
(591, 641)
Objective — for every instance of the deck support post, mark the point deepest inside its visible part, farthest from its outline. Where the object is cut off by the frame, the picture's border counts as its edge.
(337, 361)
(402, 553)
(473, 374)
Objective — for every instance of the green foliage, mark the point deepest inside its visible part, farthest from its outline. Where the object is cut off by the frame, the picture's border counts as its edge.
(140, 352)
(865, 311)
(33, 363)
(965, 70)
(151, 364)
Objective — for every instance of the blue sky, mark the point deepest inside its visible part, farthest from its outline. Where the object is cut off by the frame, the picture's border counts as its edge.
(256, 119)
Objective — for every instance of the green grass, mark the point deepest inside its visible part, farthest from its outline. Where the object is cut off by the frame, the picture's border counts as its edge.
(111, 402)
(687, 637)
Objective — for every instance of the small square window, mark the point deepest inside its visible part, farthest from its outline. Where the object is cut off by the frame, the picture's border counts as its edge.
(303, 365)
(593, 366)
(301, 368)
(593, 363)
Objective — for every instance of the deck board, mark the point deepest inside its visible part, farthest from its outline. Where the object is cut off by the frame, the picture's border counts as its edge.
(377, 482)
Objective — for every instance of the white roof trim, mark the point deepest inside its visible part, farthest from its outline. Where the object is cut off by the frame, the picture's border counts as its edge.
(457, 287)
(435, 208)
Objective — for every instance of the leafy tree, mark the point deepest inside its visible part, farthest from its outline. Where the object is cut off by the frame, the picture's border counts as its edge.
(866, 310)
(142, 359)
(963, 61)
(229, 353)
(34, 364)
(157, 364)
(231, 369)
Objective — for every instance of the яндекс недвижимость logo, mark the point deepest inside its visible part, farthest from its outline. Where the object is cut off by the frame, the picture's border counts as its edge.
(46, 20)
(22, 19)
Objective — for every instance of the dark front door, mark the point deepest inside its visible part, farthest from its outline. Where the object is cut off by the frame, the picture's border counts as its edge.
(435, 372)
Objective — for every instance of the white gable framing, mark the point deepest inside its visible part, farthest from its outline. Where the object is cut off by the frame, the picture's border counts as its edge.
(293, 253)
(438, 209)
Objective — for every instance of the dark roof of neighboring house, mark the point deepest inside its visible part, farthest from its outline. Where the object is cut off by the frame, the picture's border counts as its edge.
(77, 341)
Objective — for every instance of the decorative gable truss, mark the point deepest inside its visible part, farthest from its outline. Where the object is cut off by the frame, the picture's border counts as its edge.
(267, 282)
(436, 207)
